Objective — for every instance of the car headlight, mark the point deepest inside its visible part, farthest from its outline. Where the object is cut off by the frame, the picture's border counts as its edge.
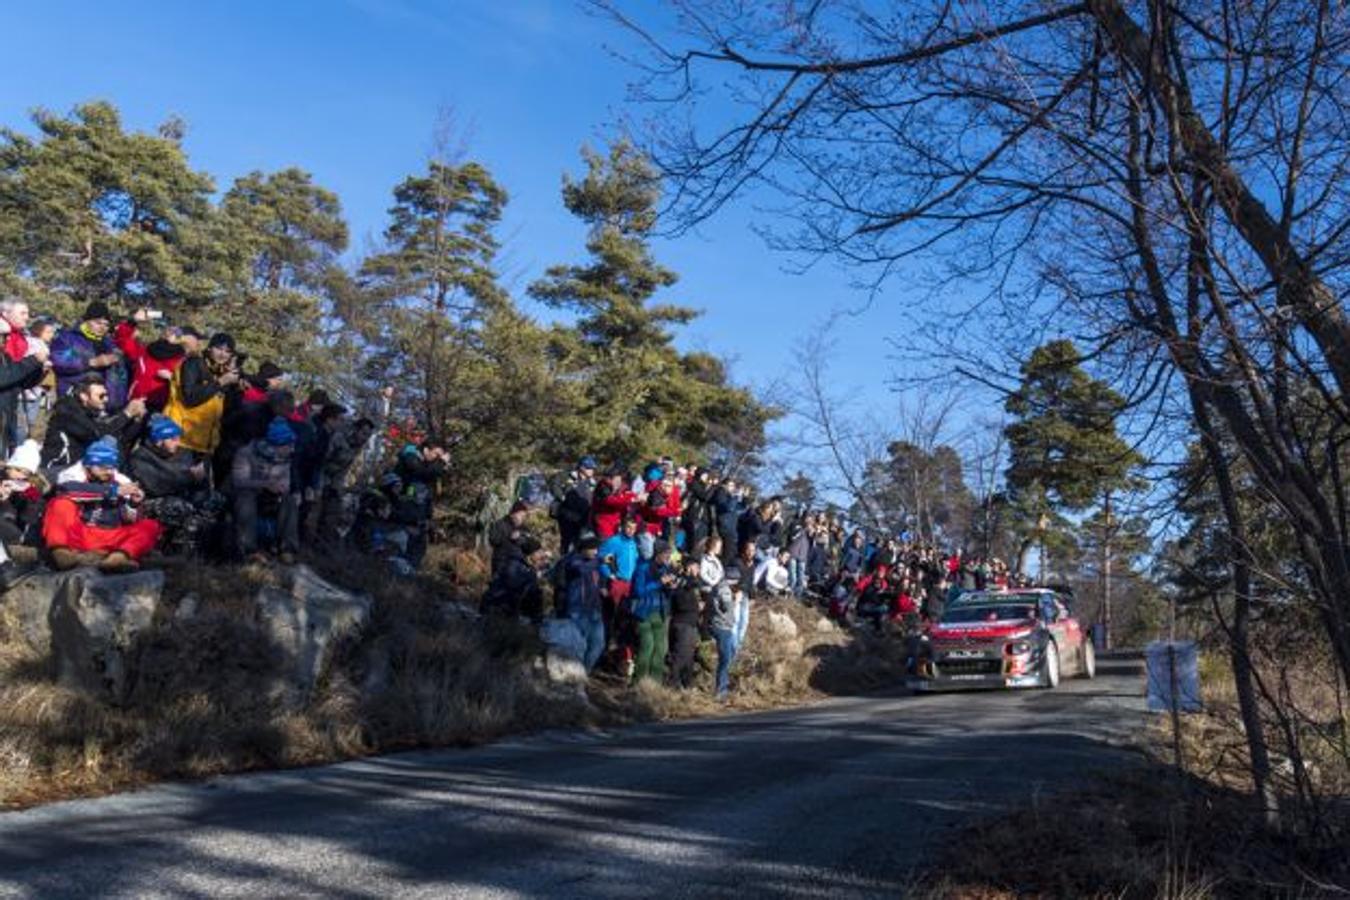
(1018, 648)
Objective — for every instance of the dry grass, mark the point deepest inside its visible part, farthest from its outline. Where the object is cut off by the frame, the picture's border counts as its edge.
(208, 698)
(1150, 834)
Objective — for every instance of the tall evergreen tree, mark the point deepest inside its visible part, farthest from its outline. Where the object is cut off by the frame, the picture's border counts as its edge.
(1066, 454)
(643, 395)
(428, 293)
(89, 210)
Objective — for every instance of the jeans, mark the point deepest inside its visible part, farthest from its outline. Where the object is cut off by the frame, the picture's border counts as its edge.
(652, 648)
(742, 623)
(246, 521)
(726, 654)
(592, 628)
(797, 577)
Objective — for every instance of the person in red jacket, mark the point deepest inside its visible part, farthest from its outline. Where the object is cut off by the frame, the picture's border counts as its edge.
(152, 365)
(611, 502)
(662, 503)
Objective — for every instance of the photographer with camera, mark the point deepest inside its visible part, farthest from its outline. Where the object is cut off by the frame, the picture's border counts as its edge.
(151, 365)
(198, 390)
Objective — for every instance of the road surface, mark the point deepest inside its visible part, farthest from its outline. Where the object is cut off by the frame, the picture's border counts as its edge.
(839, 799)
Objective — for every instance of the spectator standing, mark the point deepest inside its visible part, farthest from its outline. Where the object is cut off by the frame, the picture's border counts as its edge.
(685, 611)
(650, 606)
(198, 391)
(88, 350)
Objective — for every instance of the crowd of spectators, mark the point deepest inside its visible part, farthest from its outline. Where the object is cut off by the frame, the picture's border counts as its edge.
(126, 438)
(650, 565)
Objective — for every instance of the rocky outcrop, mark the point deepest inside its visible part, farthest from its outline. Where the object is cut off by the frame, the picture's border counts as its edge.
(306, 620)
(97, 622)
(28, 605)
(564, 651)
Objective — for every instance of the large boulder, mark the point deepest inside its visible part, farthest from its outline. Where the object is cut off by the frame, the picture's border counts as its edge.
(97, 622)
(564, 652)
(28, 606)
(306, 619)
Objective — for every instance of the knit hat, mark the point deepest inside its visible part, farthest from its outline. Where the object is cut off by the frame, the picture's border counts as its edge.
(589, 542)
(588, 462)
(269, 370)
(162, 428)
(96, 310)
(391, 480)
(654, 472)
(26, 456)
(189, 331)
(221, 339)
(732, 575)
(280, 433)
(102, 452)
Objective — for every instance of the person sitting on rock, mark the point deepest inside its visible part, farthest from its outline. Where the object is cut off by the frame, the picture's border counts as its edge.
(175, 483)
(80, 418)
(21, 496)
(93, 518)
(515, 590)
(265, 510)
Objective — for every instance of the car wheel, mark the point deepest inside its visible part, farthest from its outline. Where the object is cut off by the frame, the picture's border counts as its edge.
(1050, 667)
(1089, 660)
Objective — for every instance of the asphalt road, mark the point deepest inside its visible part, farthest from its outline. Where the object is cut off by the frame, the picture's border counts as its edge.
(839, 799)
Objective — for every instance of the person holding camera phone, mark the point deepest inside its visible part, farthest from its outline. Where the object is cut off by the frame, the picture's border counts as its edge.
(151, 364)
(198, 389)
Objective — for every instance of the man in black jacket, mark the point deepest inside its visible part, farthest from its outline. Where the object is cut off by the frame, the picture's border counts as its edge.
(685, 612)
(574, 512)
(79, 418)
(507, 534)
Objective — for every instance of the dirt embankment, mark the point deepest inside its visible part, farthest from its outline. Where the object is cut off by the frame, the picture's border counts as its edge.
(420, 673)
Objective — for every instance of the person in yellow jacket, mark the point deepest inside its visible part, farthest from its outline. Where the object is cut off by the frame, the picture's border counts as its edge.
(197, 393)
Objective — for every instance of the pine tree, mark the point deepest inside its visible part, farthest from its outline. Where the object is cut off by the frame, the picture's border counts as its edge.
(88, 210)
(644, 397)
(428, 293)
(1066, 455)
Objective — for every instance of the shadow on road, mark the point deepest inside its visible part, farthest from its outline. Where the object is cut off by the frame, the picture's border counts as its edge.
(841, 799)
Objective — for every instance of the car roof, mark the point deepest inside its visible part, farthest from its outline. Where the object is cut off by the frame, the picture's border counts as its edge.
(994, 598)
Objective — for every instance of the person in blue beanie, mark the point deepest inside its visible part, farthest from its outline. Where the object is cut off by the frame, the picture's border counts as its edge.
(176, 490)
(266, 511)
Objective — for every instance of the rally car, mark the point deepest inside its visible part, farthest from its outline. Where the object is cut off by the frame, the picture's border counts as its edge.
(1025, 638)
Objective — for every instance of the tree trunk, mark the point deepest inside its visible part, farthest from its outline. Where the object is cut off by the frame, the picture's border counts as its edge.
(1106, 574)
(1239, 654)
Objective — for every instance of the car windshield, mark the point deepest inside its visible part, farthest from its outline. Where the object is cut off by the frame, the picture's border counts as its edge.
(988, 612)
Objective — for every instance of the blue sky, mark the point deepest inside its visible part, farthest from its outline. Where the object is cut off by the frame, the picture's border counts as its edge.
(349, 90)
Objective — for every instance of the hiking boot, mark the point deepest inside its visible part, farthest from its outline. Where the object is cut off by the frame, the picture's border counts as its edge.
(64, 558)
(117, 562)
